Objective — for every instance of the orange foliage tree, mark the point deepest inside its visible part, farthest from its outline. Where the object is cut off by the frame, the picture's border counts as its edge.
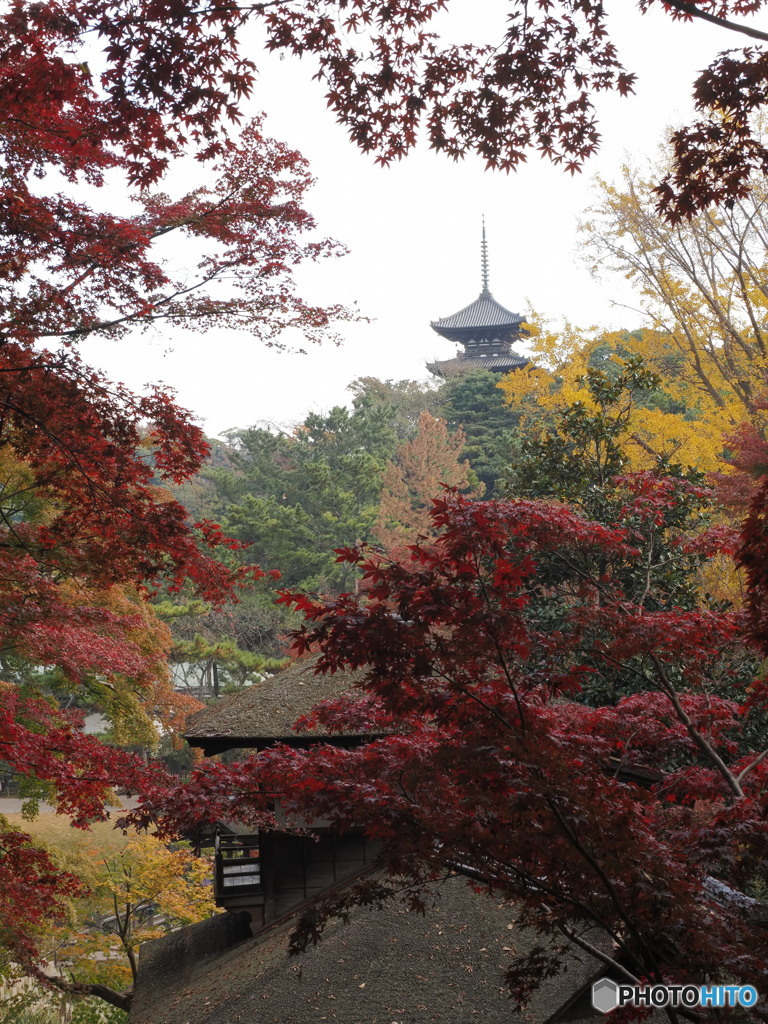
(420, 469)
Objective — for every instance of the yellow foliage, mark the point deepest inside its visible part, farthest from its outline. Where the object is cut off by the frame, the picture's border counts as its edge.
(558, 359)
(147, 872)
(19, 490)
(702, 283)
(720, 577)
(692, 436)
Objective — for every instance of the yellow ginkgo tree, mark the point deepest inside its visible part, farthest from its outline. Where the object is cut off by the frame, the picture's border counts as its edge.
(702, 287)
(702, 317)
(675, 422)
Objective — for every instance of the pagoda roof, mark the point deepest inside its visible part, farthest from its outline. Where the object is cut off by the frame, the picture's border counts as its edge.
(468, 364)
(485, 311)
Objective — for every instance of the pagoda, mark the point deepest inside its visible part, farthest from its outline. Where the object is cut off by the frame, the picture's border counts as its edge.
(485, 329)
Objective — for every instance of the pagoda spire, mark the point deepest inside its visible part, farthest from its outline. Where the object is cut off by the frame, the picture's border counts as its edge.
(484, 262)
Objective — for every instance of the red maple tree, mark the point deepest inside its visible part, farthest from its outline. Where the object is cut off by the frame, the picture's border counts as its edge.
(175, 72)
(85, 519)
(81, 459)
(643, 822)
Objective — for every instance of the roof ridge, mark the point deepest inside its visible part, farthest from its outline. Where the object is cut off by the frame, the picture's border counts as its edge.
(484, 313)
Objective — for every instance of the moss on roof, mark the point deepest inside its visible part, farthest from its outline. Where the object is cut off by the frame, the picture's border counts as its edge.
(268, 710)
(384, 967)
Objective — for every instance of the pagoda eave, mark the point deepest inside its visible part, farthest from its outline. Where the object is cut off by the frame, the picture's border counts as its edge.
(468, 335)
(460, 365)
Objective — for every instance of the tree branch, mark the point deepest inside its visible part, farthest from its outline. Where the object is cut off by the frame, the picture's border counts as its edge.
(610, 889)
(598, 954)
(751, 765)
(732, 26)
(122, 1000)
(701, 741)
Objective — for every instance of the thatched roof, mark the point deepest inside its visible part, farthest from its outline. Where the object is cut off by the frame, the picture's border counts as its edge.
(266, 712)
(382, 967)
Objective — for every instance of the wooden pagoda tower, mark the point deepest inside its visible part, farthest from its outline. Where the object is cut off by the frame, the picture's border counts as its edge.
(485, 329)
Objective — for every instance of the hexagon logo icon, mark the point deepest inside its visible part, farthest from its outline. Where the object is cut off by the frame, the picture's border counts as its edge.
(605, 995)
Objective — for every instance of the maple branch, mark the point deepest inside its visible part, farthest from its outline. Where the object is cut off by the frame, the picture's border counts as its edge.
(198, 218)
(496, 714)
(598, 954)
(495, 641)
(585, 574)
(36, 766)
(135, 316)
(31, 366)
(532, 883)
(20, 544)
(713, 19)
(752, 764)
(46, 129)
(69, 454)
(138, 317)
(609, 887)
(257, 8)
(701, 741)
(648, 568)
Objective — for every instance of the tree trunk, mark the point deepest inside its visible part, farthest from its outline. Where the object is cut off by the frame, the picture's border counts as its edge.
(122, 1000)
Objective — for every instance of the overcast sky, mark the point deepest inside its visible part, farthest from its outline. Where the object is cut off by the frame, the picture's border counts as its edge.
(413, 234)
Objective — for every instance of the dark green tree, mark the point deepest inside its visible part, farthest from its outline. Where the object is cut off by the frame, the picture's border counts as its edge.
(295, 497)
(404, 400)
(474, 403)
(219, 649)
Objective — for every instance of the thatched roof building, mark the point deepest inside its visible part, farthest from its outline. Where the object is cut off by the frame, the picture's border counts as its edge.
(265, 713)
(384, 966)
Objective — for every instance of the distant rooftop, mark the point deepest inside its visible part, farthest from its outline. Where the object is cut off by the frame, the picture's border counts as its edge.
(462, 364)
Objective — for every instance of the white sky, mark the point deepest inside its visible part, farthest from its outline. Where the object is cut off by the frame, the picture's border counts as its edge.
(413, 231)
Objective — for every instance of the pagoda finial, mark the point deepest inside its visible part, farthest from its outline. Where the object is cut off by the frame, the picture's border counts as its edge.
(484, 261)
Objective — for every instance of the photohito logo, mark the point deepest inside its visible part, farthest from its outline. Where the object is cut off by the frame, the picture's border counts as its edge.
(607, 995)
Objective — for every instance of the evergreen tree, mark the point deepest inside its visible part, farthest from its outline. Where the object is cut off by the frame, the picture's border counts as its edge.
(300, 495)
(474, 403)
